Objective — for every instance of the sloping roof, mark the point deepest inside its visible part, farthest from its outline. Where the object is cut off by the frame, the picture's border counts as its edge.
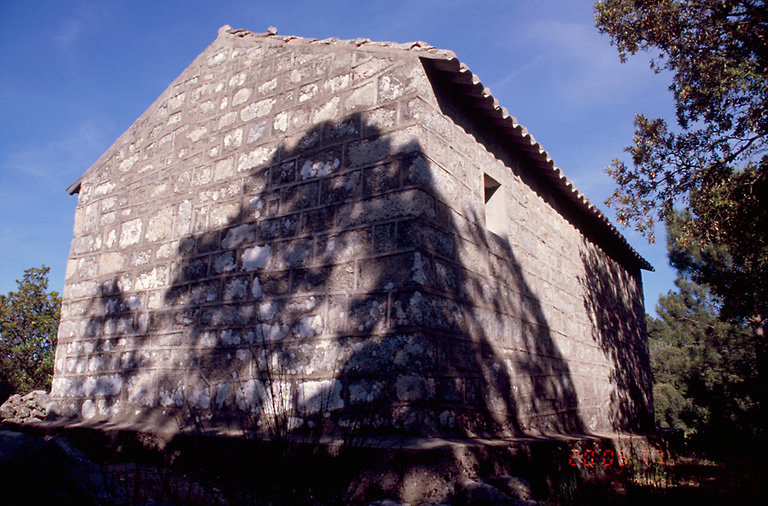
(470, 89)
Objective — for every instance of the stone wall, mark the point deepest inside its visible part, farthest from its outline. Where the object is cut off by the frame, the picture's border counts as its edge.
(293, 237)
(564, 317)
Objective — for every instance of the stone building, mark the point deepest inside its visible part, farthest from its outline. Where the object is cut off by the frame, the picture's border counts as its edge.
(307, 234)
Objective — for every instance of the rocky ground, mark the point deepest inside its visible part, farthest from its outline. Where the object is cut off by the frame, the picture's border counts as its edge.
(42, 466)
(51, 470)
(26, 408)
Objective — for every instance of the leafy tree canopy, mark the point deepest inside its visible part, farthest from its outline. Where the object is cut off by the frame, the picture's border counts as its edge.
(29, 319)
(714, 163)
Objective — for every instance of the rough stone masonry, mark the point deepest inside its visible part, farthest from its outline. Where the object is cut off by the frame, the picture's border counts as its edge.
(303, 235)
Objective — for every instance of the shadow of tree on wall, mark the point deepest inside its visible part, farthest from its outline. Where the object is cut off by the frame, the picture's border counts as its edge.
(618, 327)
(335, 298)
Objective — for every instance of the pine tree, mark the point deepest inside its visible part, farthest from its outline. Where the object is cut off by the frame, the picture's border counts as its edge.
(704, 366)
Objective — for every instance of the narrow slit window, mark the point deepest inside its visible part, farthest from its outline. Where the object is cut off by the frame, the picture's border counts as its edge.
(495, 207)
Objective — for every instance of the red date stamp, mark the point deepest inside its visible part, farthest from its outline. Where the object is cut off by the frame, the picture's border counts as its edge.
(610, 458)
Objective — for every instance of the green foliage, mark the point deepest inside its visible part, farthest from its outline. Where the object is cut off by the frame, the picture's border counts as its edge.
(29, 319)
(730, 253)
(704, 367)
(714, 163)
(716, 51)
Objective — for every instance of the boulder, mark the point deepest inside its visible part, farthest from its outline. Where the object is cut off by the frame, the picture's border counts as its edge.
(38, 470)
(515, 487)
(476, 492)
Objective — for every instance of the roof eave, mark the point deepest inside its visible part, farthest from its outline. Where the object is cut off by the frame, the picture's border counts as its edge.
(75, 187)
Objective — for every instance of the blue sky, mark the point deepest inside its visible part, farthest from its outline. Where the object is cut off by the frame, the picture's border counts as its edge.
(76, 74)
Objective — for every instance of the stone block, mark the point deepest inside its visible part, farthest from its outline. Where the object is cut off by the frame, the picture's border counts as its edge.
(373, 150)
(345, 128)
(299, 196)
(361, 97)
(319, 396)
(368, 314)
(283, 173)
(337, 278)
(385, 273)
(341, 188)
(280, 227)
(381, 178)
